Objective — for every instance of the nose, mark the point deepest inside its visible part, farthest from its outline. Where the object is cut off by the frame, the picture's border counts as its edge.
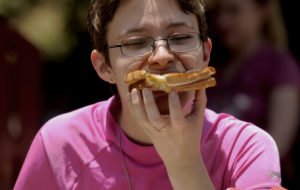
(161, 55)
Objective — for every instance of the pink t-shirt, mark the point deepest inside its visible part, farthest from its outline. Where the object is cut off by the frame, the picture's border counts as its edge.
(79, 150)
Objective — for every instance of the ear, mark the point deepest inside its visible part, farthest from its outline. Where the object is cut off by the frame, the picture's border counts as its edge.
(102, 68)
(207, 46)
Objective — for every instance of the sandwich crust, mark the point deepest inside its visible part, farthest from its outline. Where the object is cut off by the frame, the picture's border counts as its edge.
(194, 80)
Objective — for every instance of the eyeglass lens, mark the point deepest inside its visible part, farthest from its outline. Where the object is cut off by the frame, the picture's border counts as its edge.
(139, 46)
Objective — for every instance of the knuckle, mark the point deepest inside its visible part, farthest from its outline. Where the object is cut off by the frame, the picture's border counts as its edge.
(158, 123)
(179, 122)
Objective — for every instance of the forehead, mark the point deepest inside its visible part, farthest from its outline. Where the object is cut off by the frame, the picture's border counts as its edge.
(151, 16)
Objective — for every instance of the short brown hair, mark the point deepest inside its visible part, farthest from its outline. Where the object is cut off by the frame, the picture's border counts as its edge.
(101, 12)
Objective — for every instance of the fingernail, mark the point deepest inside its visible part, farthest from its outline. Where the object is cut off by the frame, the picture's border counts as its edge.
(129, 97)
(135, 96)
(146, 95)
(146, 92)
(173, 95)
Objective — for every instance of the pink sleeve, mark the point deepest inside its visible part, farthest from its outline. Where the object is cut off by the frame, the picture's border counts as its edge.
(255, 164)
(36, 172)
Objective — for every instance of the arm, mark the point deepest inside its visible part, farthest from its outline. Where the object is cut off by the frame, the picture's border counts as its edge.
(192, 176)
(283, 117)
(176, 138)
(36, 172)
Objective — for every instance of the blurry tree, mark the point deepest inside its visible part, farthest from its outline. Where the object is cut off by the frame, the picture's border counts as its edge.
(50, 25)
(15, 8)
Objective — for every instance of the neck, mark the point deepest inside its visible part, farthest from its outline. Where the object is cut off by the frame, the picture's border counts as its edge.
(132, 130)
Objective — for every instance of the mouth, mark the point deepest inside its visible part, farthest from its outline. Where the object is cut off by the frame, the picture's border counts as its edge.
(162, 101)
(163, 72)
(157, 94)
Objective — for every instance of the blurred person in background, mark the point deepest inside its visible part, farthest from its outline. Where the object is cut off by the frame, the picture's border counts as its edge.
(20, 100)
(258, 79)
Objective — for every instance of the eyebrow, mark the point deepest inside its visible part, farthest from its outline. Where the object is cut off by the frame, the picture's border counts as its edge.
(179, 24)
(131, 30)
(171, 25)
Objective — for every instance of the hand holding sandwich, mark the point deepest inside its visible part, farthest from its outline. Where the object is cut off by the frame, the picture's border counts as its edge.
(176, 136)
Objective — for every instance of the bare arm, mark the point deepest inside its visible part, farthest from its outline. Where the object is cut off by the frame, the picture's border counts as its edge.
(283, 116)
(192, 176)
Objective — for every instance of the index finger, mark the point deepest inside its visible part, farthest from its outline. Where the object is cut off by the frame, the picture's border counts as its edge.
(176, 113)
(199, 105)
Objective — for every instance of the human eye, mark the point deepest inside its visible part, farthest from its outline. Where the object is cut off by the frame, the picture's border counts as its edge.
(137, 43)
(181, 38)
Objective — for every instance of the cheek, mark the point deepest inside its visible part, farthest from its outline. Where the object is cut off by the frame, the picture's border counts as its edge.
(119, 72)
(127, 64)
(121, 66)
(192, 59)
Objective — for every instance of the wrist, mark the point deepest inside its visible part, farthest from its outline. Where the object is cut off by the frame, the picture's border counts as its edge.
(184, 164)
(190, 175)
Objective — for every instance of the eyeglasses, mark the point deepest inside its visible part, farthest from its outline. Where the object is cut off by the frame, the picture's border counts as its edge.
(143, 45)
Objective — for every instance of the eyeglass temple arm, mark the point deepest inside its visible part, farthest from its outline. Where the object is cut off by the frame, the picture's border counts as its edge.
(115, 46)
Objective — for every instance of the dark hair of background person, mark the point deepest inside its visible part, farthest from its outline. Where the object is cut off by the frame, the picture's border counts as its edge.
(274, 29)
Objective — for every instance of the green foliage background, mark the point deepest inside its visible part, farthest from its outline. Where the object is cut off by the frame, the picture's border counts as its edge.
(50, 25)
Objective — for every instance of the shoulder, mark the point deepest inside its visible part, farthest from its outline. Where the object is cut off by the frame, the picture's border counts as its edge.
(81, 132)
(65, 146)
(75, 121)
(73, 140)
(229, 128)
(240, 149)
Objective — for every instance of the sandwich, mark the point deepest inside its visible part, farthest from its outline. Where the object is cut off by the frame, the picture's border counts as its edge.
(191, 80)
